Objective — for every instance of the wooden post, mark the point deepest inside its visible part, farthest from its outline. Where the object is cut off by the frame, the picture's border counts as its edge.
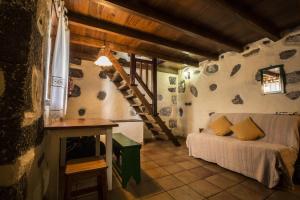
(141, 70)
(154, 86)
(132, 69)
(147, 74)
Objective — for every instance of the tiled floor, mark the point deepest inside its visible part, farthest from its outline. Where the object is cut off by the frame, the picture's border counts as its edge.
(168, 173)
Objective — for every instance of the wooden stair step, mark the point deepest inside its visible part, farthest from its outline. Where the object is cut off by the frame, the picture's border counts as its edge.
(150, 122)
(130, 96)
(123, 87)
(116, 77)
(155, 129)
(136, 105)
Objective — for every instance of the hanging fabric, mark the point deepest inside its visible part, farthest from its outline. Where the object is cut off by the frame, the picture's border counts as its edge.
(60, 69)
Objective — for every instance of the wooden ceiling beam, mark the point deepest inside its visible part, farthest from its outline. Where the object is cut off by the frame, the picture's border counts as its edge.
(196, 31)
(105, 26)
(95, 43)
(243, 13)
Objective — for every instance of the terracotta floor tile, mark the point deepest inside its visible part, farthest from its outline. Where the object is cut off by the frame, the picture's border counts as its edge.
(221, 181)
(164, 162)
(145, 189)
(148, 165)
(169, 182)
(280, 195)
(180, 158)
(173, 168)
(205, 188)
(234, 176)
(162, 196)
(120, 193)
(185, 193)
(223, 196)
(244, 193)
(188, 164)
(157, 172)
(186, 176)
(214, 168)
(257, 187)
(202, 172)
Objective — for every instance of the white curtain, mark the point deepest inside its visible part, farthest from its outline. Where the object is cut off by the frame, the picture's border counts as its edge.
(60, 69)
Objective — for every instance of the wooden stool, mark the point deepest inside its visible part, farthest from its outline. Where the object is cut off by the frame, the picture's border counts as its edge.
(83, 169)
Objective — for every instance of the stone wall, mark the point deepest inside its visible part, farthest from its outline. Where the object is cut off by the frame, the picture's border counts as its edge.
(231, 84)
(23, 37)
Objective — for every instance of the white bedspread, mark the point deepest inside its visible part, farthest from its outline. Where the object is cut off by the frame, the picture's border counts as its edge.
(266, 160)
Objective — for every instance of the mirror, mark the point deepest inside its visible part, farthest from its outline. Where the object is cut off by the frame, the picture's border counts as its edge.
(273, 79)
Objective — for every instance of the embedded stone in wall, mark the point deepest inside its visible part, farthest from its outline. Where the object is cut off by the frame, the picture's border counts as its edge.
(287, 54)
(211, 113)
(81, 111)
(76, 73)
(172, 89)
(258, 76)
(252, 52)
(265, 42)
(76, 61)
(174, 99)
(102, 75)
(196, 72)
(293, 95)
(172, 123)
(181, 86)
(180, 112)
(188, 103)
(194, 90)
(213, 87)
(293, 39)
(235, 69)
(237, 100)
(160, 97)
(2, 82)
(165, 111)
(172, 80)
(75, 92)
(210, 69)
(293, 77)
(101, 95)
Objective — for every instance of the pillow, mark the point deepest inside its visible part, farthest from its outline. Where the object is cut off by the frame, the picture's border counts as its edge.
(221, 126)
(247, 130)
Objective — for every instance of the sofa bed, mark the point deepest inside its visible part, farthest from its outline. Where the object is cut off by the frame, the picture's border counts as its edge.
(268, 159)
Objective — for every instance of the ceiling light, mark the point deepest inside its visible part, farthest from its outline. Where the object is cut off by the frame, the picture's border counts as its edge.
(103, 61)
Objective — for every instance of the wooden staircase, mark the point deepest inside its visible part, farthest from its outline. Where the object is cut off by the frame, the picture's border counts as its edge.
(136, 99)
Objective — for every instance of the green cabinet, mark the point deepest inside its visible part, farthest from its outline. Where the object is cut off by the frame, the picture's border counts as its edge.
(126, 158)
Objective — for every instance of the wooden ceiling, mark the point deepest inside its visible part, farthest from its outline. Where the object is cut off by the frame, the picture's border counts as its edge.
(183, 31)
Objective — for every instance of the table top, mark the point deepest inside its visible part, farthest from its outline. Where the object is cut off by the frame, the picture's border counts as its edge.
(80, 123)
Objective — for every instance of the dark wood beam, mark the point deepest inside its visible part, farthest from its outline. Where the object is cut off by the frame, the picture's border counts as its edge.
(105, 26)
(199, 31)
(95, 43)
(249, 18)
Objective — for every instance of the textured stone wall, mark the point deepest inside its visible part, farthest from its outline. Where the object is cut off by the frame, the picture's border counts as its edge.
(232, 83)
(22, 37)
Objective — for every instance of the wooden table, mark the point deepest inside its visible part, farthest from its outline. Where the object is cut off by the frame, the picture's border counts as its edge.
(58, 131)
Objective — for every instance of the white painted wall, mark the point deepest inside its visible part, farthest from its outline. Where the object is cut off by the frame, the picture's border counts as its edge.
(242, 83)
(133, 130)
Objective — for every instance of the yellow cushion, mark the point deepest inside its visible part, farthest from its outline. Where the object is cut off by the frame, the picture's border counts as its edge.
(247, 130)
(221, 126)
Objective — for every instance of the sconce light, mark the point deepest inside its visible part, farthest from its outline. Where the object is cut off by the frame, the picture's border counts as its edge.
(186, 73)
